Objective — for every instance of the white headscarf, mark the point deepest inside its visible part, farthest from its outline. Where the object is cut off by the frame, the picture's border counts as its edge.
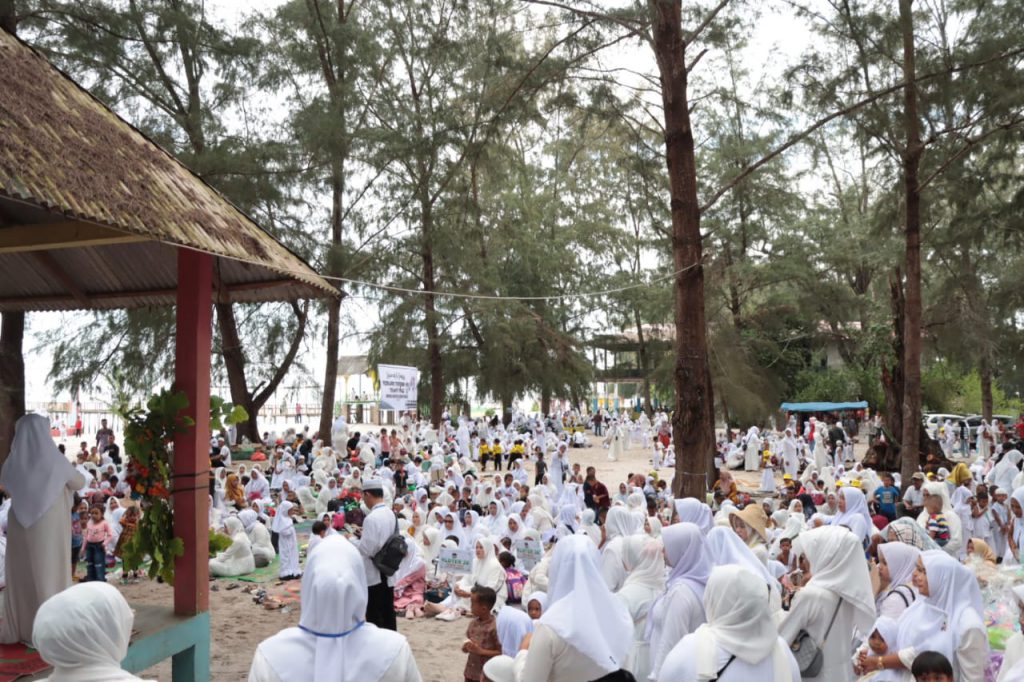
(486, 572)
(620, 522)
(582, 611)
(83, 632)
(837, 565)
(333, 642)
(740, 621)
(953, 606)
(513, 625)
(724, 547)
(694, 511)
(901, 559)
(856, 517)
(281, 520)
(685, 552)
(35, 472)
(644, 559)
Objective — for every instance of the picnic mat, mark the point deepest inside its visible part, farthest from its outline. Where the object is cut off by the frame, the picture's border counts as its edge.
(17, 660)
(261, 575)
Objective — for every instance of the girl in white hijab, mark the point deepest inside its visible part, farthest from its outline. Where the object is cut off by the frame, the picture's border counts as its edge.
(645, 562)
(513, 625)
(619, 524)
(486, 572)
(837, 598)
(691, 510)
(287, 542)
(42, 485)
(948, 619)
(680, 610)
(83, 632)
(896, 564)
(333, 642)
(739, 642)
(584, 633)
(853, 513)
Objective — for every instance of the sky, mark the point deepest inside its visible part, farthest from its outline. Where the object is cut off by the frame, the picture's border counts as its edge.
(779, 39)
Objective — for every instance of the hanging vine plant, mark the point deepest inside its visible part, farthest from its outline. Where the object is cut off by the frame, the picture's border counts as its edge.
(149, 435)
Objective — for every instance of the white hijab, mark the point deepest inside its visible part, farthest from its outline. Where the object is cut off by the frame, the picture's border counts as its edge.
(333, 642)
(694, 511)
(513, 625)
(582, 611)
(83, 632)
(856, 517)
(35, 472)
(837, 565)
(281, 520)
(725, 548)
(953, 606)
(740, 621)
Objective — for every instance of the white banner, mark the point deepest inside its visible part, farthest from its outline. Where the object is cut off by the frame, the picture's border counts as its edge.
(398, 387)
(455, 561)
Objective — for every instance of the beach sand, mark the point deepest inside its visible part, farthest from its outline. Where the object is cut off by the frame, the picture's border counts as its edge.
(239, 625)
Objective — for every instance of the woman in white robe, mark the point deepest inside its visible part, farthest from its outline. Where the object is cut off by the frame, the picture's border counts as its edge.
(83, 632)
(486, 572)
(739, 642)
(691, 510)
(680, 610)
(837, 598)
(585, 632)
(752, 457)
(333, 642)
(1006, 470)
(853, 513)
(513, 625)
(42, 485)
(259, 539)
(645, 582)
(896, 564)
(616, 443)
(287, 542)
(238, 558)
(725, 548)
(257, 488)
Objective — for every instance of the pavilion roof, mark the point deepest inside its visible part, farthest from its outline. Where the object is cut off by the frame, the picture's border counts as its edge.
(92, 211)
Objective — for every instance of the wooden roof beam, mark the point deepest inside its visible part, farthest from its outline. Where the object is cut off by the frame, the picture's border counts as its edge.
(91, 298)
(64, 234)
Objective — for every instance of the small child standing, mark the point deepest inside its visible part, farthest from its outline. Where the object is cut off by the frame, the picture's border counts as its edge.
(78, 518)
(938, 529)
(880, 642)
(97, 534)
(482, 643)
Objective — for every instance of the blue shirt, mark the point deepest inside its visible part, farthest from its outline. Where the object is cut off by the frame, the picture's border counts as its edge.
(886, 497)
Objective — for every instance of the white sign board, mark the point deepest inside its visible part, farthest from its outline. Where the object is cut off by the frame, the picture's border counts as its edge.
(455, 561)
(398, 387)
(529, 553)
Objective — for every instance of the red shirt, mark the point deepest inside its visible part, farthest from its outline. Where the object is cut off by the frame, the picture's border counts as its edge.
(1020, 428)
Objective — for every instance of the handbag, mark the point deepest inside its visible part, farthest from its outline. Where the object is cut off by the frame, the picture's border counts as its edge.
(807, 652)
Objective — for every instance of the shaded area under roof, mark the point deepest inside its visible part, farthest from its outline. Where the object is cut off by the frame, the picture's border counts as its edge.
(92, 211)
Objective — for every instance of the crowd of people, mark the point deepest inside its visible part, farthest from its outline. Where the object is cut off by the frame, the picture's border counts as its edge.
(825, 571)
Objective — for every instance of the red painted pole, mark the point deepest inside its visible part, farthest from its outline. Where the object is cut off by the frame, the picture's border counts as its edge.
(191, 449)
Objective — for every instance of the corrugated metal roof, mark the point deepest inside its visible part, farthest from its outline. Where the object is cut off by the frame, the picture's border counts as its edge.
(63, 151)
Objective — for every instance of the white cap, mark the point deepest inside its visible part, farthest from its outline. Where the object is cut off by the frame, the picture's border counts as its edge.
(372, 484)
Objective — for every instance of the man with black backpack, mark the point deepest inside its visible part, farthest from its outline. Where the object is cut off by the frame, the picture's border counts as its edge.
(379, 544)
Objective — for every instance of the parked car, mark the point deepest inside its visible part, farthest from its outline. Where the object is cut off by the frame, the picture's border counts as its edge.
(974, 421)
(932, 422)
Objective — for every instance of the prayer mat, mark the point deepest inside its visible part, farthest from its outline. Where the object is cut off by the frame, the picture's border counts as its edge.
(261, 575)
(17, 660)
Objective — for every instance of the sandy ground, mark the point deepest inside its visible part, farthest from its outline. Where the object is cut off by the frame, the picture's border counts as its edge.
(238, 624)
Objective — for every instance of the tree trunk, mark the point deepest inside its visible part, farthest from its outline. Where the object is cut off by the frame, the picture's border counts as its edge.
(910, 442)
(9, 23)
(434, 361)
(643, 359)
(234, 365)
(545, 401)
(330, 370)
(693, 420)
(333, 313)
(12, 377)
(893, 380)
(506, 410)
(985, 370)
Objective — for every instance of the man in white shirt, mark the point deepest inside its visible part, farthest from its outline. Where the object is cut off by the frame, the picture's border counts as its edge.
(378, 526)
(913, 498)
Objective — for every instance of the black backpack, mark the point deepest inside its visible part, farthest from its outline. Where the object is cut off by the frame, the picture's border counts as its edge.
(390, 555)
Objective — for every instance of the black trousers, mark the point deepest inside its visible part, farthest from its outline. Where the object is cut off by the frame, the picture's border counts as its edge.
(380, 607)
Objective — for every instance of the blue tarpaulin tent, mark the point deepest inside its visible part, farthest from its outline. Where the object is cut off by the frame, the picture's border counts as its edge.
(823, 407)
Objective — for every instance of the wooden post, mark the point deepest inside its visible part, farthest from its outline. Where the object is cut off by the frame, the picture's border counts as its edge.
(191, 450)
